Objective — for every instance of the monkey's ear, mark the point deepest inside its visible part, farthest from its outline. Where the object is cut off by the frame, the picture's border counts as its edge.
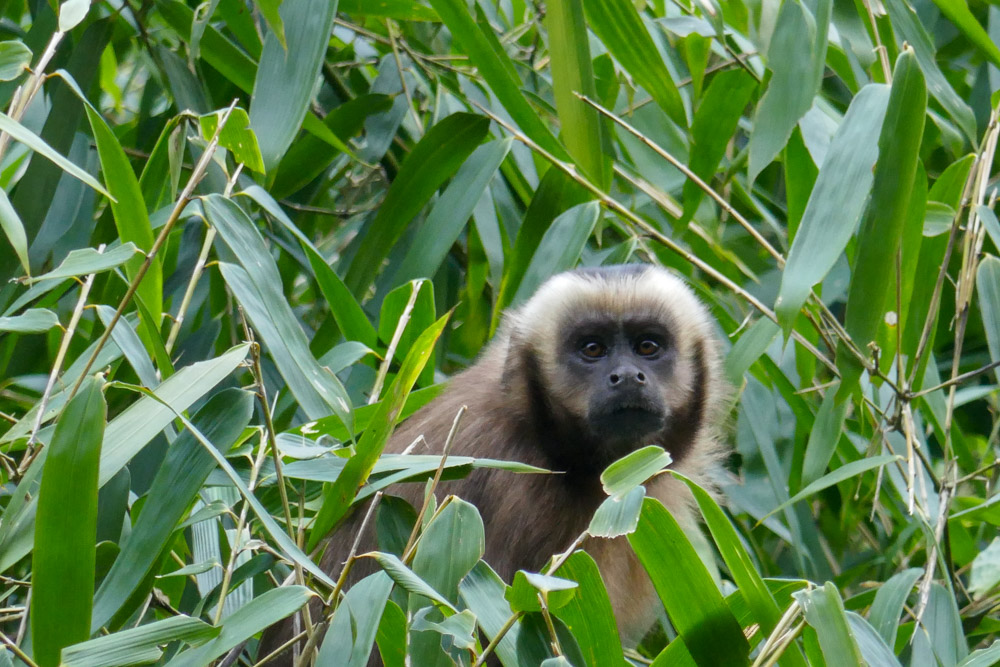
(513, 364)
(521, 376)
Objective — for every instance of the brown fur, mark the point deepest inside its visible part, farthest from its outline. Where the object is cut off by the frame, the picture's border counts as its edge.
(511, 394)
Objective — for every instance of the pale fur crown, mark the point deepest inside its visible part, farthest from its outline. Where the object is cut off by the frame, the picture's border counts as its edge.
(629, 292)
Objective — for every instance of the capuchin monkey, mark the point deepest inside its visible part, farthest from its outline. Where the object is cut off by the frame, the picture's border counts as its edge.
(598, 363)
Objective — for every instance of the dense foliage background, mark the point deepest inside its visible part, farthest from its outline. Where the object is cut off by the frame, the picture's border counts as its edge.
(236, 235)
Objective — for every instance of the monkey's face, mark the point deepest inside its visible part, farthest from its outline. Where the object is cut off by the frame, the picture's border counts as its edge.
(621, 369)
(619, 359)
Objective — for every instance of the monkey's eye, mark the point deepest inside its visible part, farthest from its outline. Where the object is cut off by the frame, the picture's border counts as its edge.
(647, 347)
(593, 349)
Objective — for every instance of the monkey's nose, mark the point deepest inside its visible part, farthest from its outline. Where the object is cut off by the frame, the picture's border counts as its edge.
(627, 375)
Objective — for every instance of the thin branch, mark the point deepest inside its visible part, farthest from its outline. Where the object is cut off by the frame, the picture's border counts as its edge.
(74, 320)
(199, 266)
(25, 93)
(404, 319)
(175, 214)
(402, 75)
(449, 441)
(631, 218)
(21, 655)
(690, 175)
(958, 379)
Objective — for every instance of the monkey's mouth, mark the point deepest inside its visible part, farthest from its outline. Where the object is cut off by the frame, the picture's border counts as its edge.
(627, 422)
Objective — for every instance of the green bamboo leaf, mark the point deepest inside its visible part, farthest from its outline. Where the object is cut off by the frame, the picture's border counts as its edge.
(338, 496)
(634, 469)
(450, 213)
(497, 69)
(450, 546)
(285, 78)
(245, 622)
(403, 10)
(36, 320)
(243, 26)
(749, 348)
(675, 654)
(131, 430)
(958, 13)
(128, 341)
(332, 426)
(824, 611)
(890, 599)
(269, 9)
(408, 581)
(795, 56)
(108, 355)
(317, 390)
(715, 121)
(526, 587)
(836, 202)
(947, 190)
(560, 247)
(39, 184)
(137, 645)
(618, 515)
(344, 307)
(20, 133)
(943, 624)
(558, 661)
(458, 628)
(128, 209)
(15, 57)
(824, 436)
(990, 222)
(800, 177)
(257, 285)
(140, 422)
(13, 229)
(881, 232)
(85, 261)
(588, 615)
(482, 591)
(398, 467)
(310, 156)
(421, 317)
(988, 284)
(572, 74)
(436, 157)
(160, 177)
(873, 649)
(280, 535)
(62, 582)
(391, 636)
(906, 24)
(762, 604)
(556, 194)
(236, 137)
(231, 61)
(216, 49)
(910, 244)
(617, 23)
(354, 625)
(71, 13)
(174, 488)
(697, 610)
(984, 657)
(844, 472)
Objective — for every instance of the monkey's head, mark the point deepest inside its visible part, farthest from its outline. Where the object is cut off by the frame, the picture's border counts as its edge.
(613, 359)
